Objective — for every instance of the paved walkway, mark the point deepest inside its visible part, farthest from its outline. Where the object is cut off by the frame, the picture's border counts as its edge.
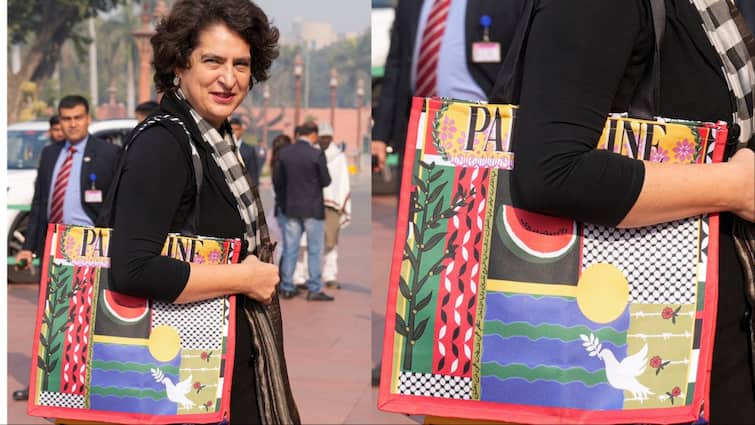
(328, 345)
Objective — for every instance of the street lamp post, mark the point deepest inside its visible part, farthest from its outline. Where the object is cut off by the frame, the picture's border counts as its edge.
(360, 97)
(141, 37)
(333, 85)
(265, 98)
(298, 70)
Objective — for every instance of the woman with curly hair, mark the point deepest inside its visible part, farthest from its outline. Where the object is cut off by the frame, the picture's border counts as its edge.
(208, 54)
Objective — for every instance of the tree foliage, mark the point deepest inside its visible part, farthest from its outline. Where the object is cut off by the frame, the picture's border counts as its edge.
(42, 26)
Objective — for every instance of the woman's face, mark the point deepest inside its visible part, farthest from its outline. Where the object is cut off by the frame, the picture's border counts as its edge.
(219, 72)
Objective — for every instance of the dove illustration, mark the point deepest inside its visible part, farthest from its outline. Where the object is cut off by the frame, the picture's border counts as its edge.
(621, 374)
(176, 392)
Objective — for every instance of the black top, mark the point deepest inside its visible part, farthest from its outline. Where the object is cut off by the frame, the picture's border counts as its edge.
(583, 60)
(155, 194)
(301, 172)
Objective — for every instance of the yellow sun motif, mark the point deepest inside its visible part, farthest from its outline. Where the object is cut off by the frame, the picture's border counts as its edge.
(602, 292)
(164, 343)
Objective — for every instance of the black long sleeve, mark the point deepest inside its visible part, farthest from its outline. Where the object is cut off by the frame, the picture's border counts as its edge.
(155, 184)
(578, 67)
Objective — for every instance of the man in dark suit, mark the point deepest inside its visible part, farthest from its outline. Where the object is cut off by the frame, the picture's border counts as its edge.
(81, 180)
(248, 152)
(301, 172)
(472, 44)
(89, 173)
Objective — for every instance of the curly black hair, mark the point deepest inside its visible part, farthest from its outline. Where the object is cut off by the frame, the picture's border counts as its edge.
(177, 35)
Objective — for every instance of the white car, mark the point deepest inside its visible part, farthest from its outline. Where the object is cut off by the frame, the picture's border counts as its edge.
(25, 142)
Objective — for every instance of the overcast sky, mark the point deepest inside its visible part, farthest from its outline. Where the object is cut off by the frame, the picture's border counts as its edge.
(344, 15)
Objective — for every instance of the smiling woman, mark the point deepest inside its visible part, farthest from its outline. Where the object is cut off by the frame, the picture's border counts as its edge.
(208, 54)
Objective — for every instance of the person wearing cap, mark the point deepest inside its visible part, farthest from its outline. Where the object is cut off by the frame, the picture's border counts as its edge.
(337, 199)
(248, 152)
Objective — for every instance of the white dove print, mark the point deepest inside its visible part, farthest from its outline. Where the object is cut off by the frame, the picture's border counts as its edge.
(621, 375)
(176, 393)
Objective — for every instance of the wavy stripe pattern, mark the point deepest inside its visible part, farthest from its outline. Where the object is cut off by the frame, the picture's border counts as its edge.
(552, 332)
(552, 352)
(545, 373)
(552, 394)
(133, 367)
(536, 309)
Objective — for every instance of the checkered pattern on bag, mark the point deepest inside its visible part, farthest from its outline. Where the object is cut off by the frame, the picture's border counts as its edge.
(74, 401)
(660, 262)
(198, 324)
(430, 385)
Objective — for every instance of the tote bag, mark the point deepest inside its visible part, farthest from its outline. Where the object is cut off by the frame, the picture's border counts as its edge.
(496, 313)
(103, 356)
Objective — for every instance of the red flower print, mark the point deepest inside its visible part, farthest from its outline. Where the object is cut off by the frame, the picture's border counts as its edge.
(671, 313)
(675, 392)
(207, 405)
(197, 385)
(205, 356)
(656, 362)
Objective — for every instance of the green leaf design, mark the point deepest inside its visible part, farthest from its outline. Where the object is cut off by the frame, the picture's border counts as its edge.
(422, 185)
(420, 329)
(435, 176)
(404, 288)
(423, 302)
(435, 193)
(401, 326)
(433, 241)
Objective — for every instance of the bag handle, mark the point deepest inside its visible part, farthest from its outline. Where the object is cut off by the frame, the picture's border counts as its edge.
(178, 130)
(507, 88)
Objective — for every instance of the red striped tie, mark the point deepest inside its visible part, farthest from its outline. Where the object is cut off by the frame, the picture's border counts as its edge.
(59, 192)
(429, 50)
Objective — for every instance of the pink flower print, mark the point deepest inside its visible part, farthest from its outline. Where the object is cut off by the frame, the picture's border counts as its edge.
(658, 154)
(69, 245)
(462, 140)
(205, 356)
(214, 257)
(684, 151)
(447, 128)
(199, 259)
(207, 405)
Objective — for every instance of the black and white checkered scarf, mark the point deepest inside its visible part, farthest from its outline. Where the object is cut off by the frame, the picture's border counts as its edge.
(227, 158)
(728, 33)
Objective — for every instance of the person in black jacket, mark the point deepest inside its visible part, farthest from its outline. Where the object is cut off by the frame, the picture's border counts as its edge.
(579, 66)
(208, 55)
(301, 172)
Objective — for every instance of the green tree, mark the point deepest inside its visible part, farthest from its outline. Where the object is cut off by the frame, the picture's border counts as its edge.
(43, 26)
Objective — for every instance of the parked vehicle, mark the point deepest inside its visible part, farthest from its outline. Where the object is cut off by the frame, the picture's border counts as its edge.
(25, 142)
